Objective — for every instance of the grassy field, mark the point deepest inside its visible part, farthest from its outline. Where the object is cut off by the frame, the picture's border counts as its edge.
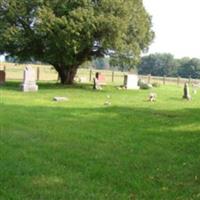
(84, 150)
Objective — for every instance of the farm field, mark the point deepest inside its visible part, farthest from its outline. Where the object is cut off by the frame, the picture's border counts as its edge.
(81, 149)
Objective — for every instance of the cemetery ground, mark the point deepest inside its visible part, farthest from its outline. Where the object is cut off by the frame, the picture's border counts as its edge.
(82, 149)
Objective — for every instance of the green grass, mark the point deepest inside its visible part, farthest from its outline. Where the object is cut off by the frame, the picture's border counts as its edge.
(83, 150)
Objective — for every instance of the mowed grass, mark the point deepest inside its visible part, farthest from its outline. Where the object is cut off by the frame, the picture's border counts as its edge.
(84, 150)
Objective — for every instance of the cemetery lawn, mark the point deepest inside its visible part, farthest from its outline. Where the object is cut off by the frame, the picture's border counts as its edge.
(84, 150)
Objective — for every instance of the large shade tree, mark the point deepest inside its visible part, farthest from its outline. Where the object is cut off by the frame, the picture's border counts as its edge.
(65, 33)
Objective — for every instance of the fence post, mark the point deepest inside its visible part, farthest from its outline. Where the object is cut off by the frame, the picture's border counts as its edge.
(113, 74)
(149, 78)
(164, 80)
(90, 75)
(178, 80)
(38, 73)
(4, 68)
(189, 80)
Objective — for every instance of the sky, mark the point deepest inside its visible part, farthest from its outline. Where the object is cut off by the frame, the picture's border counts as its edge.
(176, 26)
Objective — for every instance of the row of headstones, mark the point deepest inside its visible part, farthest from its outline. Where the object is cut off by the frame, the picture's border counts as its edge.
(130, 82)
(29, 80)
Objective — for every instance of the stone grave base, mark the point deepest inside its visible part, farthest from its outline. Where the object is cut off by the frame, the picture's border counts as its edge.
(29, 87)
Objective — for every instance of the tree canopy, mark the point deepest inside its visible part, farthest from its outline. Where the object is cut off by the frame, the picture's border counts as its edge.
(65, 33)
(158, 64)
(165, 64)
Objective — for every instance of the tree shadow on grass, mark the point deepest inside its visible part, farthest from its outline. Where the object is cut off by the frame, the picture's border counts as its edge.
(116, 151)
(15, 85)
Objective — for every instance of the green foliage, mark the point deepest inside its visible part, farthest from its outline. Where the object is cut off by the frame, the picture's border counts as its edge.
(166, 64)
(189, 68)
(123, 61)
(100, 62)
(63, 32)
(157, 64)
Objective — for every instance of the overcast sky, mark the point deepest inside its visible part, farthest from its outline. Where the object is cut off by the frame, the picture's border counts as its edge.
(176, 25)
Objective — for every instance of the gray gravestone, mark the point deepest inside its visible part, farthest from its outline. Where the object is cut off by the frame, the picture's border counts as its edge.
(131, 81)
(186, 92)
(96, 82)
(29, 83)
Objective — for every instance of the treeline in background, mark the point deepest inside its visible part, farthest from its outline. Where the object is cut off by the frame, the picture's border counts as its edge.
(158, 64)
(166, 65)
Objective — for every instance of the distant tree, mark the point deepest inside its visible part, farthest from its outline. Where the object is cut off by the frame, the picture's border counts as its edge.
(100, 62)
(158, 65)
(123, 61)
(65, 33)
(189, 68)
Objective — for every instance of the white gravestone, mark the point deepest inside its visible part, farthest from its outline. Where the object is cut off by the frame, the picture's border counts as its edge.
(29, 83)
(131, 81)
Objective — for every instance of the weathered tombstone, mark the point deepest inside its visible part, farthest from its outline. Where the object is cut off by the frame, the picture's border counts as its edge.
(131, 81)
(102, 79)
(143, 85)
(186, 92)
(29, 82)
(96, 82)
(2, 77)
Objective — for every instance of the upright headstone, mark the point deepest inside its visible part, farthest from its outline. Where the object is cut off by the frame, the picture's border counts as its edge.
(29, 82)
(96, 82)
(186, 92)
(131, 81)
(2, 77)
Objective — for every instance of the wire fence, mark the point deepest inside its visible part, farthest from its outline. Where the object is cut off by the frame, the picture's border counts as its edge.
(48, 73)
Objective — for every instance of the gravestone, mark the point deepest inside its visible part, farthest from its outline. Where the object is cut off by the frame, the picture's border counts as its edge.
(143, 85)
(131, 81)
(29, 82)
(2, 77)
(96, 82)
(186, 92)
(102, 79)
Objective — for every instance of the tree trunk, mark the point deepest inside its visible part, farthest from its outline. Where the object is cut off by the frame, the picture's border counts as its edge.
(67, 74)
